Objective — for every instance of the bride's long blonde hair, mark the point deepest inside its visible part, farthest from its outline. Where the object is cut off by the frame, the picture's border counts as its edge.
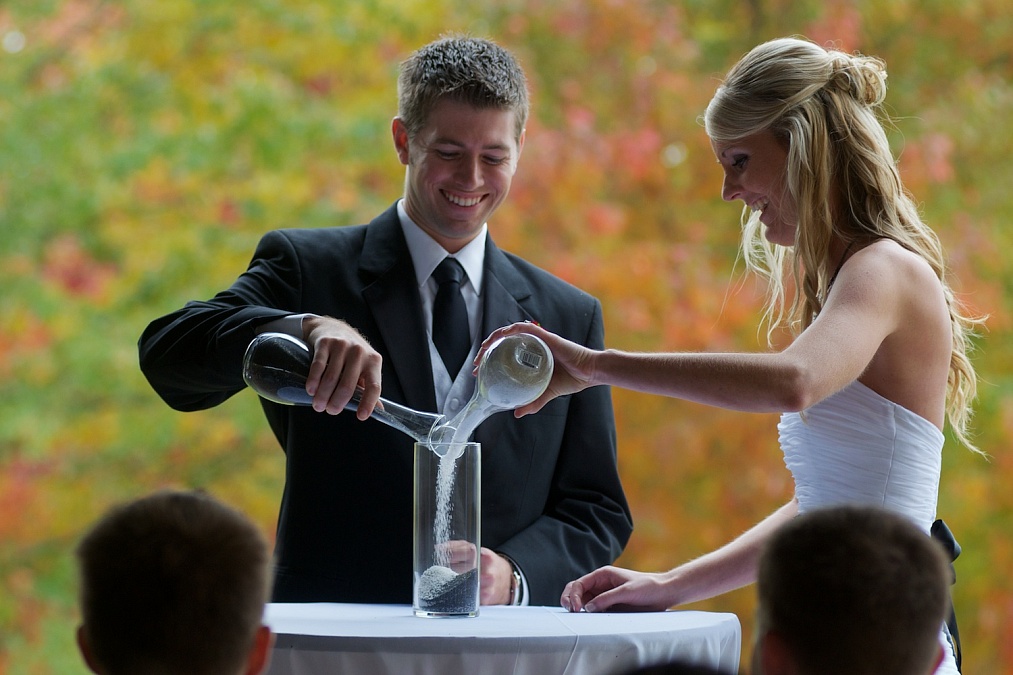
(826, 105)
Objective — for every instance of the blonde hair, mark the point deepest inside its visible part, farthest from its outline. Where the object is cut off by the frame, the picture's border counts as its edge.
(826, 105)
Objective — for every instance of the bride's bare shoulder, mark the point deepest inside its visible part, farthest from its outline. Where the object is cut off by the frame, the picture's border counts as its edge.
(887, 257)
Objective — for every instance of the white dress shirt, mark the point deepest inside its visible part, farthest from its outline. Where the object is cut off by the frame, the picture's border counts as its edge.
(426, 255)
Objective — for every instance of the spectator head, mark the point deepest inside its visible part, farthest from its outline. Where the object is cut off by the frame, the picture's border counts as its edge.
(173, 583)
(856, 590)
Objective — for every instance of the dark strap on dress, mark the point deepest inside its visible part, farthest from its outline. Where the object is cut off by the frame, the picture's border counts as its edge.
(941, 533)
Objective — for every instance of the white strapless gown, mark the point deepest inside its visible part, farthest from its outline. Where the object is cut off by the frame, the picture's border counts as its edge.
(856, 447)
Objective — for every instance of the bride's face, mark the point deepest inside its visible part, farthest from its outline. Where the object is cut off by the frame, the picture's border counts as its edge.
(755, 169)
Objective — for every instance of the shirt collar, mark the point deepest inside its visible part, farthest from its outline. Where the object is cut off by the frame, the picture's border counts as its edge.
(427, 254)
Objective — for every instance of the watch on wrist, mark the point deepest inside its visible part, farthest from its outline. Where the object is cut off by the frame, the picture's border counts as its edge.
(515, 586)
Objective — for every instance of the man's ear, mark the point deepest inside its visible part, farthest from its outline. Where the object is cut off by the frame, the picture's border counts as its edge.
(772, 656)
(520, 147)
(400, 134)
(85, 648)
(260, 655)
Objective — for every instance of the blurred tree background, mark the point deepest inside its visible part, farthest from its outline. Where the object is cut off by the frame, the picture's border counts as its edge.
(146, 145)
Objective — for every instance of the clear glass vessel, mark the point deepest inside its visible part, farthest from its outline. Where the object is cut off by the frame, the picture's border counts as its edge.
(514, 371)
(447, 537)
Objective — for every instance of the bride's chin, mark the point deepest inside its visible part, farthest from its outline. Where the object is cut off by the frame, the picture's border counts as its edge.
(777, 237)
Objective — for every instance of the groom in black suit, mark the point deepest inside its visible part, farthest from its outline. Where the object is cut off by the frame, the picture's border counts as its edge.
(362, 296)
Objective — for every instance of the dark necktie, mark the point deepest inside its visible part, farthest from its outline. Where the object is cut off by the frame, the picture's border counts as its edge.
(451, 334)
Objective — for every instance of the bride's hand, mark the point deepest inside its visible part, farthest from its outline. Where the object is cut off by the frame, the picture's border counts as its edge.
(573, 364)
(618, 590)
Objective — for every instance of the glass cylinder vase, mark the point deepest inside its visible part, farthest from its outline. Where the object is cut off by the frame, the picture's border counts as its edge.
(447, 529)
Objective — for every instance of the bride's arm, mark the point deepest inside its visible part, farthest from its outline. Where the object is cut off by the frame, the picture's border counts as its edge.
(832, 352)
(732, 566)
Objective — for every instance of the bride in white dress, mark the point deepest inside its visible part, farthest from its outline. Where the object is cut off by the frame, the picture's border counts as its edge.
(879, 361)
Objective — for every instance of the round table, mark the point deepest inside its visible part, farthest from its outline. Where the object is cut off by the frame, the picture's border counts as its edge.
(319, 638)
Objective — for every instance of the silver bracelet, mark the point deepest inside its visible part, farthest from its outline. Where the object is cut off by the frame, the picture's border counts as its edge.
(515, 586)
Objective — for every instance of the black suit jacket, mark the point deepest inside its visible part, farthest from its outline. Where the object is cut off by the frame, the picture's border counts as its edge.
(551, 496)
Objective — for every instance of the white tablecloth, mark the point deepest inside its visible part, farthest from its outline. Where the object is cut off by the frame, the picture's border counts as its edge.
(319, 638)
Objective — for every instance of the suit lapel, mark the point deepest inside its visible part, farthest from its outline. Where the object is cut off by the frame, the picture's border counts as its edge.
(505, 293)
(391, 293)
(507, 299)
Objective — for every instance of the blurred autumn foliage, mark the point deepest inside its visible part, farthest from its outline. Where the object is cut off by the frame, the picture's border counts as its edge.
(146, 145)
